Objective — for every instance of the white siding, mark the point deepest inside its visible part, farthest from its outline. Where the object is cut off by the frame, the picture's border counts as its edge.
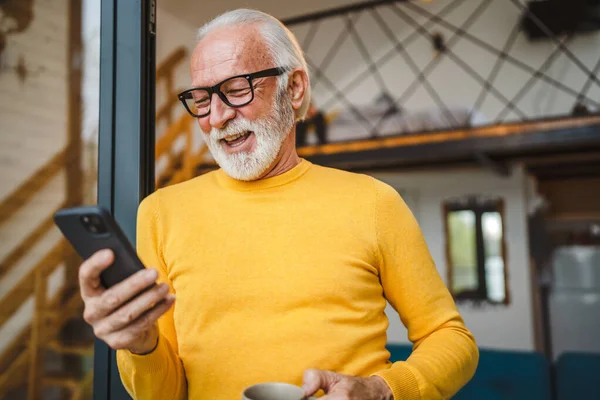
(33, 129)
(33, 111)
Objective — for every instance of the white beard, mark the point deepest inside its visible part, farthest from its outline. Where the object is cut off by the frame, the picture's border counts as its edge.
(269, 132)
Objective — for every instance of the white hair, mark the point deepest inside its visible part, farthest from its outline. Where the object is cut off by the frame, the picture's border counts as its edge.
(280, 41)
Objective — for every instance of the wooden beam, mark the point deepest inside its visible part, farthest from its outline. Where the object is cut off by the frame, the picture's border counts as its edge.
(62, 380)
(177, 129)
(554, 159)
(65, 305)
(16, 297)
(22, 194)
(15, 375)
(14, 349)
(74, 182)
(38, 337)
(164, 112)
(74, 188)
(487, 132)
(84, 389)
(513, 141)
(22, 290)
(167, 66)
(77, 349)
(166, 73)
(26, 245)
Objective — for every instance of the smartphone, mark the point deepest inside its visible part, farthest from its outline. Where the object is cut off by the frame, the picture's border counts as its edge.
(93, 228)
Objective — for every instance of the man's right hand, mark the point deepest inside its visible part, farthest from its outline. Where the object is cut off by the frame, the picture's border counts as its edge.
(120, 317)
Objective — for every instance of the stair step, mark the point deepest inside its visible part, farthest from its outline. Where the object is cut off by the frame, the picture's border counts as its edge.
(66, 305)
(16, 373)
(63, 380)
(82, 349)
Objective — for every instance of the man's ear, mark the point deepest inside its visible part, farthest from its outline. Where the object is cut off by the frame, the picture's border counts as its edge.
(297, 87)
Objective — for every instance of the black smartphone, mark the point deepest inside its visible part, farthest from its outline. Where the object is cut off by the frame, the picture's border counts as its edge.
(93, 228)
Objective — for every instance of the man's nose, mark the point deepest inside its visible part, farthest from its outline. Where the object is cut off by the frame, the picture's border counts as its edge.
(220, 113)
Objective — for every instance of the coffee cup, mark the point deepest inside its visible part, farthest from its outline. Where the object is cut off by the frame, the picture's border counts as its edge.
(275, 391)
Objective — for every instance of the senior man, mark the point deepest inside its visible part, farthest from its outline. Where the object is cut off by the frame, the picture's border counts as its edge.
(281, 268)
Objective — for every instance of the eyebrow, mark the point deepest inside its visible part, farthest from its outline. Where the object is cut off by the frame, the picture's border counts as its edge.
(257, 75)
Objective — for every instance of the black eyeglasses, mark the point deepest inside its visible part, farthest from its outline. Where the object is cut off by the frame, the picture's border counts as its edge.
(236, 91)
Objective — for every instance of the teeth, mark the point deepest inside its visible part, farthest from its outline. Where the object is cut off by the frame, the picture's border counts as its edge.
(234, 137)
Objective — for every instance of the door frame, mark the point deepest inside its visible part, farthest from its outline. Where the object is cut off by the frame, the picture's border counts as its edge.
(126, 136)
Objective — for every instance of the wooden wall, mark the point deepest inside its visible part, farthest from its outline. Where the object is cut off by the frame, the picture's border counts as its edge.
(572, 198)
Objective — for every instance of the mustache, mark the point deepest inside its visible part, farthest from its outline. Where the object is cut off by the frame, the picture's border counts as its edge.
(232, 128)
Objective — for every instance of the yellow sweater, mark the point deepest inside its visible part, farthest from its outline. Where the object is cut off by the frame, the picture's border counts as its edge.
(276, 276)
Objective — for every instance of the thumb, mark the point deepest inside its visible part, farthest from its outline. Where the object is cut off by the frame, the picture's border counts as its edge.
(315, 379)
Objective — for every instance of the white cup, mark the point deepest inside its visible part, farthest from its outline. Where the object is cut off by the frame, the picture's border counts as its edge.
(275, 391)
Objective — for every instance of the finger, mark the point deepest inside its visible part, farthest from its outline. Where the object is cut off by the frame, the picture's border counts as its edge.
(335, 396)
(315, 379)
(131, 334)
(90, 270)
(135, 284)
(118, 295)
(152, 315)
(132, 310)
(340, 391)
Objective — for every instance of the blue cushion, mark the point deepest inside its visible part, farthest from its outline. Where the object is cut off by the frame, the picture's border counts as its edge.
(399, 352)
(578, 376)
(501, 375)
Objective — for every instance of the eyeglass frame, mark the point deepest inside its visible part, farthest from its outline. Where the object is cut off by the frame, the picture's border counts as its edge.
(217, 88)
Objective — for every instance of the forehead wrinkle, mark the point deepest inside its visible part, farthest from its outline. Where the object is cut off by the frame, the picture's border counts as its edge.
(245, 52)
(207, 62)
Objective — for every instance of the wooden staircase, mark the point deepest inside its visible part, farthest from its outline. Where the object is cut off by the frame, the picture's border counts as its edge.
(50, 354)
(33, 309)
(178, 157)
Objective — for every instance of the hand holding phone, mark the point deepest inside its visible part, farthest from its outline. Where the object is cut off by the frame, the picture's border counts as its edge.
(124, 316)
(122, 300)
(90, 229)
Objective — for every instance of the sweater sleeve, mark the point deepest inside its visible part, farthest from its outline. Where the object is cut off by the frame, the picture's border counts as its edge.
(445, 355)
(160, 374)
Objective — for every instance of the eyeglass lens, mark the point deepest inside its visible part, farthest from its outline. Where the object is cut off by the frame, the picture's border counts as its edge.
(237, 91)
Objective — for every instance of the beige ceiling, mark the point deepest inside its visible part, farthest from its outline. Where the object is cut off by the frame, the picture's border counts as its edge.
(197, 12)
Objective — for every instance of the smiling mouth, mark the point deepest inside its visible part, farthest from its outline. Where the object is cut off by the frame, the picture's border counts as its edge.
(236, 140)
